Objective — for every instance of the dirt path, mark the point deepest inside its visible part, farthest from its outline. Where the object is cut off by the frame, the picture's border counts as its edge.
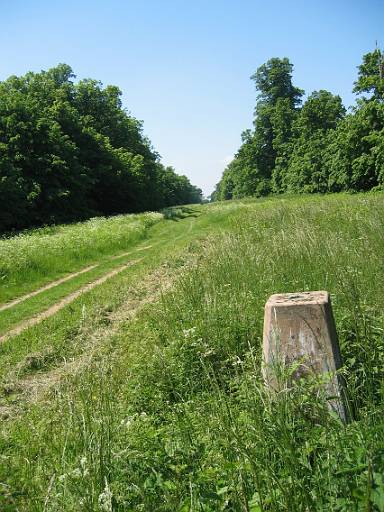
(35, 387)
(62, 280)
(32, 387)
(64, 302)
(131, 252)
(45, 288)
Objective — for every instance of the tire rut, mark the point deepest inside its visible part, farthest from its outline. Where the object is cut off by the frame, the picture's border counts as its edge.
(48, 286)
(34, 320)
(62, 280)
(33, 388)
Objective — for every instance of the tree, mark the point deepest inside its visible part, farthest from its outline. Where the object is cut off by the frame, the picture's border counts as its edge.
(313, 130)
(313, 148)
(275, 111)
(355, 156)
(282, 119)
(69, 151)
(263, 155)
(273, 80)
(371, 75)
(356, 153)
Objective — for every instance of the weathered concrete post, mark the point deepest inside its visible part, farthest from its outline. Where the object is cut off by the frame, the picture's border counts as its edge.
(299, 328)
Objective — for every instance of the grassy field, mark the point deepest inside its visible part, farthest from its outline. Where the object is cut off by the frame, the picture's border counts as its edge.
(146, 394)
(36, 257)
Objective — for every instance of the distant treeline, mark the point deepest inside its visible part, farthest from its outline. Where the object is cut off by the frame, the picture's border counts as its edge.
(69, 151)
(314, 147)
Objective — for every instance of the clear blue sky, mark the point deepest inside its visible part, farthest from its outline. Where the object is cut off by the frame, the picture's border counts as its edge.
(184, 66)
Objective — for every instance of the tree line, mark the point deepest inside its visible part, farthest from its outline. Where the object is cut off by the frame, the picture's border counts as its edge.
(310, 147)
(70, 151)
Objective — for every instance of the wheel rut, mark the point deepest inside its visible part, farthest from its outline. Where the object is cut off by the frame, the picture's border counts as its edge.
(32, 388)
(30, 322)
(62, 280)
(45, 288)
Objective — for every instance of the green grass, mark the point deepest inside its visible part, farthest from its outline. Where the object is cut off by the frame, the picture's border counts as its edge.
(168, 239)
(11, 317)
(33, 258)
(170, 412)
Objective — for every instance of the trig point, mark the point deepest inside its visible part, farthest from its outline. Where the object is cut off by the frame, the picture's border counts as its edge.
(299, 328)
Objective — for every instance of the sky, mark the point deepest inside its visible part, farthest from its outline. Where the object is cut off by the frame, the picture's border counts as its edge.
(184, 67)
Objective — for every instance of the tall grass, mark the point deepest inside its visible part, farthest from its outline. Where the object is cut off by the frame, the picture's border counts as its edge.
(43, 253)
(172, 415)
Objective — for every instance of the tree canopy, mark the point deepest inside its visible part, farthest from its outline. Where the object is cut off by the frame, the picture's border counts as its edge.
(68, 151)
(311, 147)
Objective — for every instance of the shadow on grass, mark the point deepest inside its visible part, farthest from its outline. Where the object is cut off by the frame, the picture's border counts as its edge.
(177, 213)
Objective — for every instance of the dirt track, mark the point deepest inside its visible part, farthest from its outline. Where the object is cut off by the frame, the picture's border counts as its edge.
(45, 288)
(65, 301)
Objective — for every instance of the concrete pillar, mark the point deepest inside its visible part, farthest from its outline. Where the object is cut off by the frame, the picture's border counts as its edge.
(299, 329)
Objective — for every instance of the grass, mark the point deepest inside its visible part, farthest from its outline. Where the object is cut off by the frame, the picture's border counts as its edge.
(36, 257)
(169, 412)
(36, 265)
(168, 240)
(12, 316)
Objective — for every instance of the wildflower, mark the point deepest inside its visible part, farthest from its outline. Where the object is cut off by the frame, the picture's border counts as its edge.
(76, 473)
(83, 465)
(189, 332)
(237, 361)
(105, 499)
(208, 352)
(127, 422)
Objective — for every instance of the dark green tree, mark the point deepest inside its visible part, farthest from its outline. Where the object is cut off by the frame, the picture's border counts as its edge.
(356, 153)
(314, 148)
(69, 151)
(262, 158)
(313, 131)
(371, 75)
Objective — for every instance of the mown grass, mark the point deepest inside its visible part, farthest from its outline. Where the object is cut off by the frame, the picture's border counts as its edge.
(57, 336)
(36, 257)
(11, 317)
(171, 414)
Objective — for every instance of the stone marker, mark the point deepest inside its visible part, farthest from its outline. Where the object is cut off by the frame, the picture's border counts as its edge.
(299, 328)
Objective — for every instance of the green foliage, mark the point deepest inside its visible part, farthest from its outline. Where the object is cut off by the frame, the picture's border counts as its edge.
(273, 80)
(69, 151)
(260, 161)
(356, 151)
(313, 148)
(371, 75)
(313, 131)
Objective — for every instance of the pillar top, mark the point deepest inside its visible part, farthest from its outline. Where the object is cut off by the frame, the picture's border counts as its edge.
(298, 299)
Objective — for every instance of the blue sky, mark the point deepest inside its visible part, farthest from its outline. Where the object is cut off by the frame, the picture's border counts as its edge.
(184, 66)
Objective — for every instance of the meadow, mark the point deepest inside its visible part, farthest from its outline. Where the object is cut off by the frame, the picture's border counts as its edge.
(146, 394)
(35, 257)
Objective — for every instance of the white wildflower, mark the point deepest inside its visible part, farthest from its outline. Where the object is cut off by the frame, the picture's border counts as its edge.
(83, 465)
(189, 332)
(76, 473)
(105, 498)
(127, 422)
(208, 352)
